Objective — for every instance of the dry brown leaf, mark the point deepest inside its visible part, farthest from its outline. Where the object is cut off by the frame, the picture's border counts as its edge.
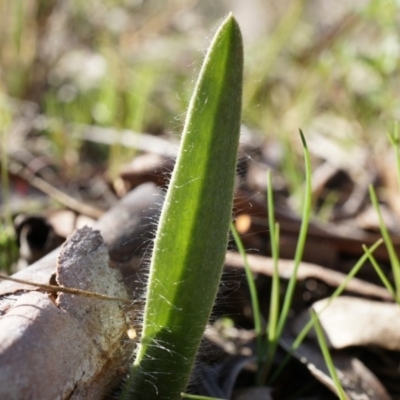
(349, 321)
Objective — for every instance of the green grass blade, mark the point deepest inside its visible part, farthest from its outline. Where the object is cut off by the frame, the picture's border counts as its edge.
(394, 260)
(301, 241)
(192, 235)
(327, 357)
(379, 272)
(263, 374)
(253, 293)
(5, 119)
(394, 139)
(301, 336)
(272, 338)
(196, 397)
(274, 235)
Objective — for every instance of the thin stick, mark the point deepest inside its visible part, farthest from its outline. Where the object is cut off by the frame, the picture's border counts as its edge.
(53, 192)
(63, 289)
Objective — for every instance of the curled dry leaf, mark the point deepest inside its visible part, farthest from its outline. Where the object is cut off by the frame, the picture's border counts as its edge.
(349, 321)
(65, 347)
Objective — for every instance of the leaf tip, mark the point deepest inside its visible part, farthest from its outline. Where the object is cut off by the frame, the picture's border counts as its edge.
(230, 22)
(303, 139)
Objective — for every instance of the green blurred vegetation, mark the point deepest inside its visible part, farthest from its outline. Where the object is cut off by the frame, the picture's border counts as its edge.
(329, 68)
(127, 64)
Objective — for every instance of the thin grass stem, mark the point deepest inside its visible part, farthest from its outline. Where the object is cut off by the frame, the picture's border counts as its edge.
(394, 260)
(274, 235)
(5, 185)
(272, 338)
(327, 357)
(253, 293)
(263, 374)
(380, 273)
(394, 140)
(303, 333)
(301, 241)
(197, 397)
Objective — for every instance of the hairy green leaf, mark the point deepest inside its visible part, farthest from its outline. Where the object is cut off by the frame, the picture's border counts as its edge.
(192, 235)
